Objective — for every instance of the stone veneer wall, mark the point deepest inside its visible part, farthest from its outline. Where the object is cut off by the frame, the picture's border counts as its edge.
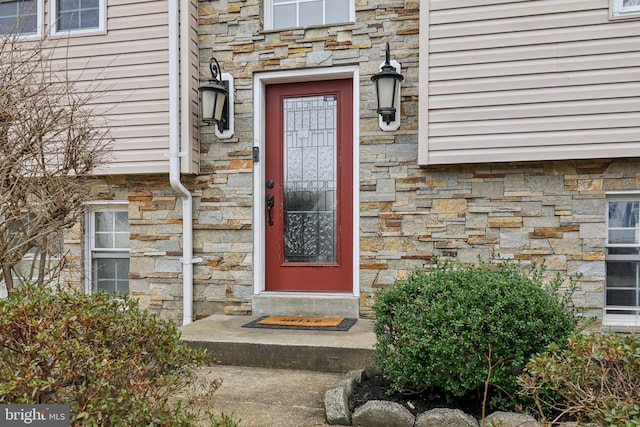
(533, 212)
(232, 32)
(551, 211)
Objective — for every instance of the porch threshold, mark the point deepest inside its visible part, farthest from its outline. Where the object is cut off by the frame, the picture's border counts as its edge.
(305, 304)
(326, 351)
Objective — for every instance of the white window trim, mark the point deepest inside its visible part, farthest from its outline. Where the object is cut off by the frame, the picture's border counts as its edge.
(268, 15)
(89, 247)
(39, 26)
(618, 10)
(102, 20)
(619, 320)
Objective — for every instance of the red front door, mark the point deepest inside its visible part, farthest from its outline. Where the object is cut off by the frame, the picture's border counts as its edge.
(309, 186)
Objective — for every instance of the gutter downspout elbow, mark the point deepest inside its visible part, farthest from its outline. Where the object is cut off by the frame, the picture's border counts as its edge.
(174, 162)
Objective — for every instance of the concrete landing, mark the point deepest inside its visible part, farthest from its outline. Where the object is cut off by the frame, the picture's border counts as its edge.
(325, 351)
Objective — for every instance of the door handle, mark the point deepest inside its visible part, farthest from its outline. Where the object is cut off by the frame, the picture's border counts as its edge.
(270, 204)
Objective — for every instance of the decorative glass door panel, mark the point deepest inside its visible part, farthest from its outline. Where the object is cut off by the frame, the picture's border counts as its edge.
(310, 178)
(309, 192)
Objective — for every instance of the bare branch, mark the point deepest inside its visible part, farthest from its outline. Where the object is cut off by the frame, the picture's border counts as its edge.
(50, 144)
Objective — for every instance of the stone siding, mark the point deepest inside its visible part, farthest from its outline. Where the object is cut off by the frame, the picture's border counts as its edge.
(551, 212)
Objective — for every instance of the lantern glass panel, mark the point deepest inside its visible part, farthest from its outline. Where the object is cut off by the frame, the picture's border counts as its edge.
(386, 92)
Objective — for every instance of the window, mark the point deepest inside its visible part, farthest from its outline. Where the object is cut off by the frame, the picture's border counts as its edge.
(19, 17)
(109, 249)
(77, 15)
(303, 13)
(622, 8)
(42, 253)
(622, 295)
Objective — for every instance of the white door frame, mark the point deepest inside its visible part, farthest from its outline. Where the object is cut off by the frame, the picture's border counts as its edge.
(260, 81)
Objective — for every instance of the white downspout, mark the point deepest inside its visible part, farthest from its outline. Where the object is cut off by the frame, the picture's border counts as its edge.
(174, 162)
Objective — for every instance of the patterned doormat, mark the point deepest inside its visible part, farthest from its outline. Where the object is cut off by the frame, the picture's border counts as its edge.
(302, 323)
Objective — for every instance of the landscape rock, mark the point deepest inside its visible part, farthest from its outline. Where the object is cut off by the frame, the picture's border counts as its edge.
(511, 419)
(443, 417)
(336, 406)
(351, 379)
(349, 384)
(378, 413)
(357, 374)
(371, 371)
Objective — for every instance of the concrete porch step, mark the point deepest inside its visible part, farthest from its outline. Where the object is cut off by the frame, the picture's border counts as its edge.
(325, 351)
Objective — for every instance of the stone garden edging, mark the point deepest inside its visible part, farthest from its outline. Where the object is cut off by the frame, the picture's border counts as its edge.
(378, 413)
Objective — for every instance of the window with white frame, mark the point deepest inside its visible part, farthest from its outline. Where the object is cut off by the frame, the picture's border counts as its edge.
(43, 254)
(304, 13)
(77, 15)
(20, 17)
(622, 8)
(622, 296)
(109, 249)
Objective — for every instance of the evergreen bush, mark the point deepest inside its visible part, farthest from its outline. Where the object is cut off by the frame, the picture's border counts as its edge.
(112, 362)
(434, 330)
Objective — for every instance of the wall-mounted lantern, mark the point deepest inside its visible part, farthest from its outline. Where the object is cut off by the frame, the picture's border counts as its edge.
(217, 101)
(387, 83)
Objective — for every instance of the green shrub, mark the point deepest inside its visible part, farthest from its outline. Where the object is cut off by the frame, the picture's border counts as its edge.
(112, 362)
(434, 330)
(597, 376)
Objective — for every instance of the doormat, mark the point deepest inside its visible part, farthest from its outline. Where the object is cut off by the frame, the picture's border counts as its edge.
(302, 323)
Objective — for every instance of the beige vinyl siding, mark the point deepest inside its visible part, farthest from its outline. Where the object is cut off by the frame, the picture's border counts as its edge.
(189, 83)
(126, 68)
(509, 80)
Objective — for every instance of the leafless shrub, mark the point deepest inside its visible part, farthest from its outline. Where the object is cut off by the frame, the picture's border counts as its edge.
(50, 143)
(597, 377)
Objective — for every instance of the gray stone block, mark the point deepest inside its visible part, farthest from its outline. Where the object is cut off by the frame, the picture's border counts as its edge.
(347, 383)
(378, 413)
(336, 406)
(511, 419)
(350, 379)
(443, 417)
(358, 375)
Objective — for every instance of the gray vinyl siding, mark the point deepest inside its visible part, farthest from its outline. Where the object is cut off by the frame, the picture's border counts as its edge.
(509, 80)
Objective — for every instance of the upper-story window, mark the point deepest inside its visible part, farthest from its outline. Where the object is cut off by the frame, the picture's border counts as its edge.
(77, 15)
(304, 13)
(19, 17)
(625, 7)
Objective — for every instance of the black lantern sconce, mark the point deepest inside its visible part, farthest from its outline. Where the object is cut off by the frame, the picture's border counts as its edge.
(216, 99)
(387, 83)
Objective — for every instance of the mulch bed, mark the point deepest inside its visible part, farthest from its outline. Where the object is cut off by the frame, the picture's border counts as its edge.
(376, 388)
